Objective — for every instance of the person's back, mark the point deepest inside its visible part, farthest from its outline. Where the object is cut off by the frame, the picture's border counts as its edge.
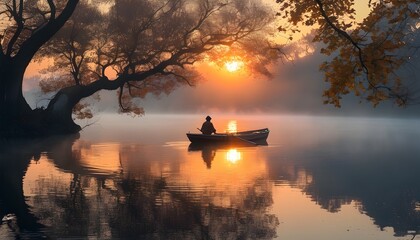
(207, 127)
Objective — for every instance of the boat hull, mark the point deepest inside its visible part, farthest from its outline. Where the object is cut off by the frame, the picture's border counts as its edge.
(255, 136)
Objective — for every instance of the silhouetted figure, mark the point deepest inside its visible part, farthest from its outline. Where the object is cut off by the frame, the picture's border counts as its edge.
(207, 127)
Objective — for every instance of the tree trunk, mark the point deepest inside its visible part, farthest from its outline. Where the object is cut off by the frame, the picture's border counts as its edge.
(60, 109)
(17, 119)
(14, 110)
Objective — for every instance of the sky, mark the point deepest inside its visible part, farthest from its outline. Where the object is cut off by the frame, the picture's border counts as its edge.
(296, 87)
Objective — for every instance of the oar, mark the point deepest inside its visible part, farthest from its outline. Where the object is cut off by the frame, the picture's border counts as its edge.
(247, 141)
(200, 130)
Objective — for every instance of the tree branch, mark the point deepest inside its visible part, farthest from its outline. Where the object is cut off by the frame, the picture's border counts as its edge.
(403, 97)
(52, 9)
(342, 34)
(31, 45)
(18, 18)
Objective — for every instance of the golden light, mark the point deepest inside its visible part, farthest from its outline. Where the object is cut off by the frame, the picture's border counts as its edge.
(101, 158)
(234, 65)
(233, 156)
(232, 127)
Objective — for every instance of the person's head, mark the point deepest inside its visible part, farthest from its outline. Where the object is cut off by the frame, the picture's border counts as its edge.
(208, 118)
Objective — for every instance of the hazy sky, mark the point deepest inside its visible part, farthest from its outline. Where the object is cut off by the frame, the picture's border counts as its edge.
(296, 87)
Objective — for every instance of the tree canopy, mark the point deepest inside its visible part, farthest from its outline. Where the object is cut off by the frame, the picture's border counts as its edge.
(364, 56)
(134, 47)
(149, 47)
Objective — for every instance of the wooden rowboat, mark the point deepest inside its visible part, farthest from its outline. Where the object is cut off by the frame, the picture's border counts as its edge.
(253, 137)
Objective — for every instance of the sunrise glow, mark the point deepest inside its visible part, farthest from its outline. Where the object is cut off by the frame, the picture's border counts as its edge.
(233, 66)
(232, 127)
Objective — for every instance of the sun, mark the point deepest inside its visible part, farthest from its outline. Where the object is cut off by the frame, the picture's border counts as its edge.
(233, 66)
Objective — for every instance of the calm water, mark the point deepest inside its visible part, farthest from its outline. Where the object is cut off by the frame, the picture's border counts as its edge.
(137, 178)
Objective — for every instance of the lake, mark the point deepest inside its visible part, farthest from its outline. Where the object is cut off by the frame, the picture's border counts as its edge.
(137, 178)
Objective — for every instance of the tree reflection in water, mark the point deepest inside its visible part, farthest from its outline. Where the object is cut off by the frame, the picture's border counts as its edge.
(153, 207)
(384, 186)
(387, 191)
(17, 219)
(71, 199)
(177, 216)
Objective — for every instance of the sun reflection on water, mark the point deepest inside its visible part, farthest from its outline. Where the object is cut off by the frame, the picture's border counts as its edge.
(105, 189)
(233, 156)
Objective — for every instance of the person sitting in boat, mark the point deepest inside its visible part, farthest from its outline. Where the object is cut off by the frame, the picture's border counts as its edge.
(208, 127)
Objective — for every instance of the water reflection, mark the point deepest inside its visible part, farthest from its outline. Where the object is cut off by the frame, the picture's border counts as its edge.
(67, 194)
(387, 191)
(390, 203)
(70, 187)
(232, 151)
(373, 167)
(233, 155)
(17, 218)
(208, 152)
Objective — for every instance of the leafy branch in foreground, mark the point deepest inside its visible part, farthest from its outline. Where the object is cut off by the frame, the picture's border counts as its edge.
(364, 57)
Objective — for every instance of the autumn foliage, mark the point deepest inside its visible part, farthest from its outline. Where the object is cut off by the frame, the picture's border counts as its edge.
(364, 56)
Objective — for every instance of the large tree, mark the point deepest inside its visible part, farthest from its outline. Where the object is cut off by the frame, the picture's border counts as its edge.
(141, 47)
(134, 47)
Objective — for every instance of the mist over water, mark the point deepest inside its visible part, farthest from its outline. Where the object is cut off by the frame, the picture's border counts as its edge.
(326, 173)
(123, 177)
(296, 87)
